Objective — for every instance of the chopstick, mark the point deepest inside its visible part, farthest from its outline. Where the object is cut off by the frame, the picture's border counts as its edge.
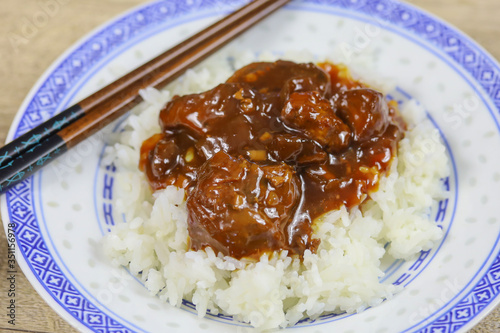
(28, 153)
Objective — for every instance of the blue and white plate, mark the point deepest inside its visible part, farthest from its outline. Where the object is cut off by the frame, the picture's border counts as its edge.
(61, 213)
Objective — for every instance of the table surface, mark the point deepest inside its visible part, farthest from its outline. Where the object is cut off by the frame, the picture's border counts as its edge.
(22, 65)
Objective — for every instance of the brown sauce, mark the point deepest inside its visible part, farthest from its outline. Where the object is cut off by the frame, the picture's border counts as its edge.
(264, 154)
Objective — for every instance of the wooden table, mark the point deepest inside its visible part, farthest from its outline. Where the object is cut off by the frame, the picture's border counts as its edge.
(70, 20)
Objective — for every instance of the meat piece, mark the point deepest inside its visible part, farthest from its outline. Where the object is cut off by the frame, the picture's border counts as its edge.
(293, 149)
(241, 209)
(169, 159)
(164, 157)
(310, 114)
(201, 112)
(302, 84)
(329, 191)
(147, 146)
(283, 76)
(364, 110)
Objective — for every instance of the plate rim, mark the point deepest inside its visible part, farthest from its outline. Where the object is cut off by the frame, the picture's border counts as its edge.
(50, 70)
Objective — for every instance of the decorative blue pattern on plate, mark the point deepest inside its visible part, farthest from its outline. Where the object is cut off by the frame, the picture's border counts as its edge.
(42, 264)
(47, 100)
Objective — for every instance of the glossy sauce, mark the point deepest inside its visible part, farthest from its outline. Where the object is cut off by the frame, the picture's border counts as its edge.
(264, 154)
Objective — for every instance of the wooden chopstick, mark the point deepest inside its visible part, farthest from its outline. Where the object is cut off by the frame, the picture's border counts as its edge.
(25, 155)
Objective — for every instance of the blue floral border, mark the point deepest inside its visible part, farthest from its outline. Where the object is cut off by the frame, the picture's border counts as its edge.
(53, 90)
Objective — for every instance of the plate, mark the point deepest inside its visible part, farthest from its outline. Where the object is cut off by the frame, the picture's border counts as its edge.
(61, 213)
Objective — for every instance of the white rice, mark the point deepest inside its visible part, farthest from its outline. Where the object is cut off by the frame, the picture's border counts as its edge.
(277, 291)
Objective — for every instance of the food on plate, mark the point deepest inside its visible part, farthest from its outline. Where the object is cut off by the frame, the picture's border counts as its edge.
(264, 154)
(272, 196)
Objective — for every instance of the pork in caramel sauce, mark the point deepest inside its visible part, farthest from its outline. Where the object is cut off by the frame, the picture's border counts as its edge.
(253, 217)
(313, 116)
(264, 154)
